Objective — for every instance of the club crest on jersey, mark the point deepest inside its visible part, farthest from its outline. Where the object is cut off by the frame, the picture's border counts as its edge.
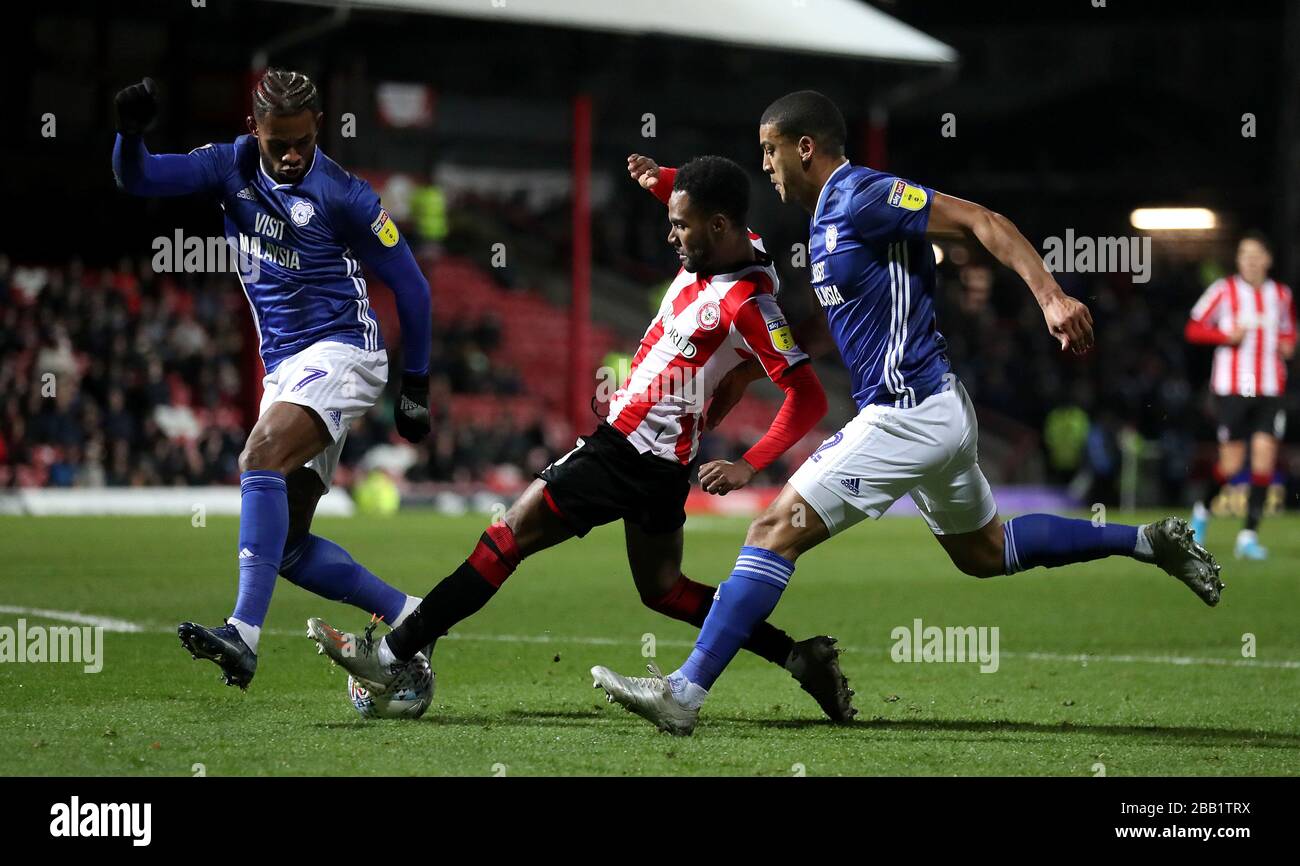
(906, 196)
(302, 212)
(832, 235)
(385, 229)
(779, 331)
(708, 316)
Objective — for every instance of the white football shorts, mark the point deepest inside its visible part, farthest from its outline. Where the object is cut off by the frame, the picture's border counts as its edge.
(338, 382)
(929, 451)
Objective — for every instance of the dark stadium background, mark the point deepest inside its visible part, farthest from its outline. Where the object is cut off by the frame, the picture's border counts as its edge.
(1067, 116)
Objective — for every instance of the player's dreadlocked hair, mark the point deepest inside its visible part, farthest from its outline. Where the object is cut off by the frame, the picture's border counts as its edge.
(807, 112)
(283, 92)
(715, 184)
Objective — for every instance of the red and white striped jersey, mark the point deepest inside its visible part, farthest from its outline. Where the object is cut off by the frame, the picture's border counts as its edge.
(706, 325)
(1255, 367)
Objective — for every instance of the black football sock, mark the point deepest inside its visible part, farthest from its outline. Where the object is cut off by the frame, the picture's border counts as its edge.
(1255, 505)
(459, 595)
(690, 601)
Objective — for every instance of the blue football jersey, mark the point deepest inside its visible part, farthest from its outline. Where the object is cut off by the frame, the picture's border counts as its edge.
(303, 242)
(873, 273)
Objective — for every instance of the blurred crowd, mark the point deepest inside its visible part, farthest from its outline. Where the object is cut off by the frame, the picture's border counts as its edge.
(124, 377)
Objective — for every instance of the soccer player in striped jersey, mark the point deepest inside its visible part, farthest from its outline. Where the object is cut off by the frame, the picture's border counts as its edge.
(873, 272)
(1251, 320)
(303, 225)
(720, 311)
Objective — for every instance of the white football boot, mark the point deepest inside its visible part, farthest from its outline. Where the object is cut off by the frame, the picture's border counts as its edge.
(650, 697)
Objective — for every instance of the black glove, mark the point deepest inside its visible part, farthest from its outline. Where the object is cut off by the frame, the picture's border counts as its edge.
(411, 413)
(137, 107)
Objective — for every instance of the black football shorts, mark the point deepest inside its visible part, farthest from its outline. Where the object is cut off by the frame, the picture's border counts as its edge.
(606, 479)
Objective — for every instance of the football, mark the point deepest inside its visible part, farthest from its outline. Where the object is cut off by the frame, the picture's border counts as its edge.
(409, 697)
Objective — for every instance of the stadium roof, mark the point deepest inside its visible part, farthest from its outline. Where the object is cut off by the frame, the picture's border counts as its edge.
(844, 28)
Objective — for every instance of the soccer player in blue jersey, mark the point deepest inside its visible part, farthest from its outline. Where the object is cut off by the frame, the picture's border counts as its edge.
(873, 272)
(304, 224)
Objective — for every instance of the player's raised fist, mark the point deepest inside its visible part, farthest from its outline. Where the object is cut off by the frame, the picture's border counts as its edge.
(136, 107)
(411, 413)
(643, 170)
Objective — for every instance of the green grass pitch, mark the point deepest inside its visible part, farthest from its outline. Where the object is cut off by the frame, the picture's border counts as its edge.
(1164, 688)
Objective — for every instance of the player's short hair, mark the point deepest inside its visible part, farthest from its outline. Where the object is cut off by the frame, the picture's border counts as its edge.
(283, 92)
(715, 184)
(1259, 238)
(807, 112)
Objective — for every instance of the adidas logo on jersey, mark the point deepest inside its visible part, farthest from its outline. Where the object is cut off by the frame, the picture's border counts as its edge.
(851, 485)
(246, 554)
(247, 192)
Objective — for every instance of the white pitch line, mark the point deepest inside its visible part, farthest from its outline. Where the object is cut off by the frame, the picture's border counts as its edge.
(105, 622)
(121, 625)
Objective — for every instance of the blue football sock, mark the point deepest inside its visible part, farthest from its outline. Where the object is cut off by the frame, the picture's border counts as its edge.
(1045, 539)
(263, 526)
(321, 566)
(742, 602)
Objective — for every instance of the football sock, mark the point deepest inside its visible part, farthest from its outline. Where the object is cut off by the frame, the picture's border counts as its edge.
(250, 634)
(1255, 500)
(1213, 488)
(319, 565)
(408, 608)
(263, 525)
(744, 600)
(458, 595)
(1045, 539)
(690, 602)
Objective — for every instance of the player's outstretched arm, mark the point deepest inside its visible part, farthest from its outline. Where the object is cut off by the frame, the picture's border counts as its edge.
(137, 170)
(1068, 320)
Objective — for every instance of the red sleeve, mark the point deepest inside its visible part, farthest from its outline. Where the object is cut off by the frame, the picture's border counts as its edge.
(1199, 330)
(1206, 335)
(1286, 333)
(804, 406)
(664, 188)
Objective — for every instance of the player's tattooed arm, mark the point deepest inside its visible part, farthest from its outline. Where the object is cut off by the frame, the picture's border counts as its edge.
(1068, 320)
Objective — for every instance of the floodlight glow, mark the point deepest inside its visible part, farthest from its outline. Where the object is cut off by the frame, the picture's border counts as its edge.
(1173, 219)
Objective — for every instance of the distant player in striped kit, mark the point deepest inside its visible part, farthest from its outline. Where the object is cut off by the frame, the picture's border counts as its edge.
(719, 313)
(916, 435)
(1250, 318)
(304, 225)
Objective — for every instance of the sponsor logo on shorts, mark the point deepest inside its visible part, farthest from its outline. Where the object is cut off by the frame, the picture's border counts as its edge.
(851, 485)
(336, 416)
